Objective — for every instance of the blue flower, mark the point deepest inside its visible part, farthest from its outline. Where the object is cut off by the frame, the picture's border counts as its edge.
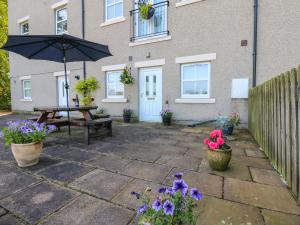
(180, 185)
(137, 195)
(162, 190)
(168, 207)
(142, 209)
(178, 175)
(50, 128)
(170, 191)
(26, 130)
(157, 205)
(196, 194)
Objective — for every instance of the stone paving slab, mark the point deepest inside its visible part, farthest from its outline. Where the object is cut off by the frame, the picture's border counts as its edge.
(79, 155)
(147, 171)
(44, 162)
(110, 162)
(101, 183)
(141, 152)
(253, 162)
(9, 219)
(12, 180)
(126, 199)
(277, 218)
(260, 195)
(255, 153)
(270, 177)
(2, 211)
(207, 183)
(57, 150)
(7, 156)
(65, 172)
(179, 161)
(86, 210)
(214, 211)
(37, 201)
(235, 170)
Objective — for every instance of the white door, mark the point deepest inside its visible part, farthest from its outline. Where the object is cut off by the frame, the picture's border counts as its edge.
(61, 90)
(150, 94)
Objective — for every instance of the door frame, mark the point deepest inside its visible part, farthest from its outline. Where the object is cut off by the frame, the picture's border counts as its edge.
(139, 87)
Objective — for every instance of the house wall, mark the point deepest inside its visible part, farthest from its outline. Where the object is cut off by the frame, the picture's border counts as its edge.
(212, 26)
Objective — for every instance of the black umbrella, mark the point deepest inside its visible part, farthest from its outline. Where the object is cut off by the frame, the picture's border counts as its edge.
(58, 48)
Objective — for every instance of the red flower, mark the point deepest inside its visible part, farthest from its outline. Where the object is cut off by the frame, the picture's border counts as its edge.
(220, 141)
(213, 145)
(214, 134)
(206, 141)
(219, 133)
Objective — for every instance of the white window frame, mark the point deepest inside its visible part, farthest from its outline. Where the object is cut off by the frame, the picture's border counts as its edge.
(208, 80)
(56, 22)
(107, 85)
(24, 89)
(112, 4)
(21, 28)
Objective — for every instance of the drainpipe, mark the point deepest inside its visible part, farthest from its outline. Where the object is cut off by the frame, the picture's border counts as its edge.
(255, 43)
(83, 33)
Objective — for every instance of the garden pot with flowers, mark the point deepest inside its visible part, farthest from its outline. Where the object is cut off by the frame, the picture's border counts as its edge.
(173, 205)
(227, 124)
(166, 116)
(26, 140)
(218, 153)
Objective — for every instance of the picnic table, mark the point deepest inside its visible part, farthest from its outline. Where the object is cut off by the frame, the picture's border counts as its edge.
(49, 116)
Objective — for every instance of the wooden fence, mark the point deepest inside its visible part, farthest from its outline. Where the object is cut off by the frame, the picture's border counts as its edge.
(274, 121)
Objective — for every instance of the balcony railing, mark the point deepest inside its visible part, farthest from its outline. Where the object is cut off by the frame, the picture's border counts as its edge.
(157, 25)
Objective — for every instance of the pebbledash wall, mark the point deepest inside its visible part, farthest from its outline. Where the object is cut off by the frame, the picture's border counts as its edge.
(200, 31)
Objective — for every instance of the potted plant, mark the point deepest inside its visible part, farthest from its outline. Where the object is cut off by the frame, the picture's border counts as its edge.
(86, 89)
(174, 205)
(146, 9)
(227, 124)
(126, 77)
(26, 140)
(166, 116)
(218, 153)
(127, 113)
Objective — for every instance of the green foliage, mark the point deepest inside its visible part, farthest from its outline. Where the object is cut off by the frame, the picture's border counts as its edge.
(86, 89)
(233, 120)
(144, 8)
(126, 77)
(127, 112)
(4, 67)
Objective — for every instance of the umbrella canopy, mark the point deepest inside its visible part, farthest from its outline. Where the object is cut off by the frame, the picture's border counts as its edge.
(57, 48)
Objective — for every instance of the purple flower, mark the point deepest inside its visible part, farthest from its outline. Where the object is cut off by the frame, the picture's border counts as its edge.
(168, 207)
(1, 134)
(142, 209)
(178, 175)
(26, 130)
(170, 191)
(50, 128)
(180, 185)
(137, 195)
(157, 205)
(196, 194)
(162, 190)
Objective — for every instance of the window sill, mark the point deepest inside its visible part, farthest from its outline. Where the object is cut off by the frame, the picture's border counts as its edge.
(26, 100)
(187, 2)
(150, 40)
(195, 100)
(112, 21)
(114, 100)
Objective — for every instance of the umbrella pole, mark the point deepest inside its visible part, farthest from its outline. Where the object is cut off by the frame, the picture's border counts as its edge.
(67, 90)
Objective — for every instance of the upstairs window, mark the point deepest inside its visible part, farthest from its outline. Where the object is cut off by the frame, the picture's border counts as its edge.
(24, 28)
(61, 18)
(195, 80)
(26, 85)
(113, 9)
(115, 89)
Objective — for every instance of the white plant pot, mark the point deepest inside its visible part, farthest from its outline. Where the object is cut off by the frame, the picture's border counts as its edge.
(27, 154)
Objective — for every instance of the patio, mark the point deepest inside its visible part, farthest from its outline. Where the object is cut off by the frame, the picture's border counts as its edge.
(90, 185)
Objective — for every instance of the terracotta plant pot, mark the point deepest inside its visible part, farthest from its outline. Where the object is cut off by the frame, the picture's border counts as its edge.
(219, 159)
(27, 154)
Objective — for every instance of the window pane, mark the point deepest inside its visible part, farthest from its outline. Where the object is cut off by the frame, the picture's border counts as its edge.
(202, 87)
(111, 91)
(108, 2)
(119, 9)
(201, 71)
(119, 90)
(110, 12)
(26, 84)
(25, 28)
(195, 72)
(195, 87)
(60, 28)
(114, 77)
(189, 73)
(27, 93)
(61, 15)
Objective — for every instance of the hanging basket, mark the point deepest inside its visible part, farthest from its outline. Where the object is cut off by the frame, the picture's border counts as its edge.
(146, 11)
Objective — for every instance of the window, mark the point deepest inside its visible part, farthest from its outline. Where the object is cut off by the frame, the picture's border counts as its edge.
(61, 16)
(195, 80)
(115, 89)
(113, 9)
(26, 89)
(24, 28)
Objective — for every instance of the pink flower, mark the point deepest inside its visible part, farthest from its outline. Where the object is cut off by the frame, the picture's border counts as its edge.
(213, 145)
(220, 141)
(214, 134)
(219, 133)
(206, 141)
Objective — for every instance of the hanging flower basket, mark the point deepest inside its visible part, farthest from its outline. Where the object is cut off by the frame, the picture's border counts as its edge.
(126, 77)
(146, 10)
